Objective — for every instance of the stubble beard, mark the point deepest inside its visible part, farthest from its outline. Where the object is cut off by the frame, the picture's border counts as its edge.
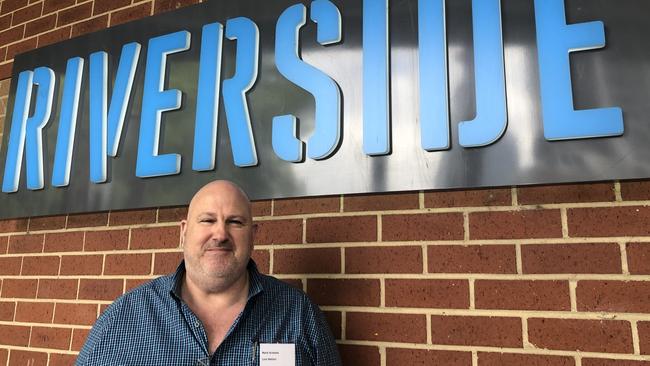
(212, 274)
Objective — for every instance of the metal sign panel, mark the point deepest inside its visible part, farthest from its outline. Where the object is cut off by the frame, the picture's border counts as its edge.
(329, 97)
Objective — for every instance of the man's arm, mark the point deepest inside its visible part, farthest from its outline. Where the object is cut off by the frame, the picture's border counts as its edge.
(324, 350)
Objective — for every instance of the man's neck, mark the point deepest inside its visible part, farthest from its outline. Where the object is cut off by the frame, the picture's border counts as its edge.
(217, 296)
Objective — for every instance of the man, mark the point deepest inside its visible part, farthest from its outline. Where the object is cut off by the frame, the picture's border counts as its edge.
(216, 309)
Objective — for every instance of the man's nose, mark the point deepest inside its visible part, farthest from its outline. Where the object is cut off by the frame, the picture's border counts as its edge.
(219, 232)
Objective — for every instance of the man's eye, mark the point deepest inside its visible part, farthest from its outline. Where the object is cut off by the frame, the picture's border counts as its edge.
(207, 221)
(236, 222)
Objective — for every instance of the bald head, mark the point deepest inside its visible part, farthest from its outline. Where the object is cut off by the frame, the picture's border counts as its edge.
(221, 190)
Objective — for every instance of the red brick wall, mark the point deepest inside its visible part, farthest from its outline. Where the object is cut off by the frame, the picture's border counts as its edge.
(555, 275)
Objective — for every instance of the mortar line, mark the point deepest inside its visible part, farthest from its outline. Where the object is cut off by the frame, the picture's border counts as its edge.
(519, 259)
(524, 334)
(466, 226)
(425, 259)
(421, 200)
(472, 294)
(382, 293)
(565, 222)
(514, 196)
(573, 285)
(474, 358)
(624, 264)
(635, 337)
(617, 191)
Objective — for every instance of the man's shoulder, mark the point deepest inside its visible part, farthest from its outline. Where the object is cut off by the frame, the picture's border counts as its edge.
(152, 291)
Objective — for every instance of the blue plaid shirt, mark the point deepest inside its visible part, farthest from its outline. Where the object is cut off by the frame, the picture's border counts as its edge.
(151, 325)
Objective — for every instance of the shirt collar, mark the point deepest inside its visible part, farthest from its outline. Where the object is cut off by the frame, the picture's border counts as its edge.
(254, 280)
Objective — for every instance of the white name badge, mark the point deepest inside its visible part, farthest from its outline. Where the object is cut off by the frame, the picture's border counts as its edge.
(277, 354)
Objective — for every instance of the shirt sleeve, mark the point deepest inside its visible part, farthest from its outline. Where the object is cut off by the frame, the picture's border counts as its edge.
(92, 350)
(323, 347)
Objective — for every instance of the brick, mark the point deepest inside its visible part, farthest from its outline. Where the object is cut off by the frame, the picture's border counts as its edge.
(278, 232)
(172, 214)
(359, 355)
(526, 224)
(644, 337)
(333, 319)
(522, 295)
(90, 25)
(614, 296)
(134, 283)
(298, 206)
(50, 6)
(166, 5)
(131, 217)
(34, 312)
(19, 288)
(13, 225)
(261, 208)
(11, 5)
(609, 221)
(79, 314)
(155, 237)
(7, 310)
(262, 259)
(126, 15)
(10, 266)
(402, 259)
(106, 240)
(435, 226)
(5, 72)
(571, 258)
(295, 282)
(638, 258)
(87, 220)
(79, 338)
(425, 357)
(4, 244)
(468, 198)
(591, 192)
(635, 190)
(476, 331)
(57, 289)
(5, 22)
(21, 358)
(381, 202)
(603, 362)
(507, 359)
(341, 229)
(610, 336)
(100, 289)
(29, 243)
(72, 241)
(43, 266)
(74, 14)
(105, 6)
(345, 292)
(166, 262)
(127, 264)
(57, 359)
(409, 328)
(46, 223)
(21, 47)
(14, 335)
(81, 265)
(472, 259)
(4, 90)
(57, 338)
(437, 294)
(28, 13)
(311, 260)
(54, 36)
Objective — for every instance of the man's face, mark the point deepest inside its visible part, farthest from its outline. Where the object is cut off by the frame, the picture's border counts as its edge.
(217, 236)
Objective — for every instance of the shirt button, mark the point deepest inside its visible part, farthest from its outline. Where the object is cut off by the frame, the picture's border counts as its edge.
(196, 324)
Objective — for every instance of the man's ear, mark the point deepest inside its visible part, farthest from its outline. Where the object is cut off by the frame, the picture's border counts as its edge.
(183, 229)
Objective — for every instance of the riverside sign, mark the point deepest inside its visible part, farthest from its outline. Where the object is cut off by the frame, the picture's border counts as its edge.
(327, 97)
